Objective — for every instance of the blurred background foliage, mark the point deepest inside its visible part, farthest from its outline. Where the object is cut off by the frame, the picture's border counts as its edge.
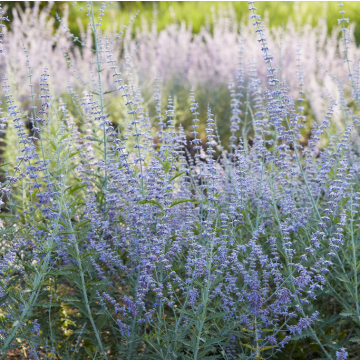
(198, 13)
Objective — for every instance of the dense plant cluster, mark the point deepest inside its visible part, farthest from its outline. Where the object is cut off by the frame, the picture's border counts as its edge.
(130, 237)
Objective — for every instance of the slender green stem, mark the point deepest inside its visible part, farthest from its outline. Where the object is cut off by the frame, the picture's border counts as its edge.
(101, 96)
(83, 286)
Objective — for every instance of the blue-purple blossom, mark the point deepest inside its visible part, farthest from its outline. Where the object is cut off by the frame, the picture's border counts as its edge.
(342, 354)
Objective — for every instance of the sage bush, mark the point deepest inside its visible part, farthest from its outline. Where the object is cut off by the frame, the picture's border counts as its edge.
(126, 235)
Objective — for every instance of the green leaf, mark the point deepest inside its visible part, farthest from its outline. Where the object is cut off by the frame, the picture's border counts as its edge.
(344, 313)
(95, 283)
(156, 157)
(76, 187)
(344, 279)
(216, 316)
(64, 136)
(176, 202)
(94, 139)
(88, 351)
(81, 307)
(47, 305)
(6, 215)
(73, 154)
(355, 339)
(82, 223)
(167, 166)
(175, 158)
(267, 347)
(248, 346)
(213, 341)
(176, 176)
(150, 202)
(41, 227)
(247, 330)
(63, 271)
(70, 299)
(66, 232)
(65, 225)
(102, 321)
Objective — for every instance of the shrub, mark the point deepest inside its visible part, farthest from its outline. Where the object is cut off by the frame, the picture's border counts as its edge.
(123, 239)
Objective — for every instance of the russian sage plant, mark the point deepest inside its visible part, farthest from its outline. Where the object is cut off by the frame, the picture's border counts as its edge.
(131, 237)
